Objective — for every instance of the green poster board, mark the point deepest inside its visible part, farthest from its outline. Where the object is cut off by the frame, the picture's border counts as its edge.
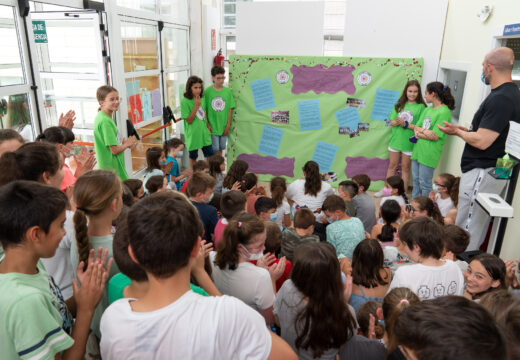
(291, 109)
(40, 32)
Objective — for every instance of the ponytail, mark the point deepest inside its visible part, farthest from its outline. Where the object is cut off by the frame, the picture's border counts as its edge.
(390, 212)
(311, 170)
(443, 92)
(387, 233)
(29, 162)
(82, 240)
(431, 208)
(238, 231)
(396, 182)
(278, 189)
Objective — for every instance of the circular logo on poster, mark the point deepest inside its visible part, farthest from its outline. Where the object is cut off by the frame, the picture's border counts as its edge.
(364, 78)
(406, 115)
(282, 77)
(201, 114)
(218, 104)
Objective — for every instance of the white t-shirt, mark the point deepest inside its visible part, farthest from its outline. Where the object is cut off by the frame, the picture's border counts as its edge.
(444, 205)
(281, 211)
(296, 192)
(249, 283)
(398, 198)
(60, 266)
(192, 327)
(430, 282)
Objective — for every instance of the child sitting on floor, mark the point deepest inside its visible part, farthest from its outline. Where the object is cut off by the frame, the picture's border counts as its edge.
(232, 203)
(347, 190)
(303, 232)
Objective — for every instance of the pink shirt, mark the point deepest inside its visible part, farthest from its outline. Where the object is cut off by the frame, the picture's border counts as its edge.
(68, 178)
(219, 231)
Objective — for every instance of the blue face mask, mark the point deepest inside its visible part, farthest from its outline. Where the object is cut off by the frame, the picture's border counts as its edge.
(330, 220)
(435, 188)
(273, 217)
(483, 78)
(382, 322)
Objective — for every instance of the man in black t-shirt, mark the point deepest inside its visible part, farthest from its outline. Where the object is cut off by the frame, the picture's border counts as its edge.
(485, 142)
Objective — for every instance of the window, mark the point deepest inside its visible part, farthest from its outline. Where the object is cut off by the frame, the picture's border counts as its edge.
(11, 72)
(139, 47)
(146, 5)
(15, 114)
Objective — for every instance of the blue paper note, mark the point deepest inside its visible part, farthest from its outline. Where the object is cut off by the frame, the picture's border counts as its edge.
(270, 140)
(348, 117)
(146, 102)
(309, 113)
(262, 94)
(324, 155)
(156, 103)
(384, 101)
(132, 88)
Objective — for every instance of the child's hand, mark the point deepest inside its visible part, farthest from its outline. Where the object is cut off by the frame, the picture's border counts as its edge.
(197, 101)
(205, 249)
(371, 327)
(346, 266)
(88, 295)
(236, 186)
(511, 278)
(432, 196)
(187, 172)
(94, 260)
(67, 120)
(347, 287)
(276, 270)
(266, 261)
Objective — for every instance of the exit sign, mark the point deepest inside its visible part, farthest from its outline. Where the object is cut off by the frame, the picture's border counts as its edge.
(40, 32)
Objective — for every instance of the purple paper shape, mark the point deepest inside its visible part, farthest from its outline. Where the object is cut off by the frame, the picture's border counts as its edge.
(375, 168)
(321, 78)
(259, 164)
(156, 103)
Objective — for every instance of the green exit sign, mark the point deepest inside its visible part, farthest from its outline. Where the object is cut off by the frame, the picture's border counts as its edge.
(40, 32)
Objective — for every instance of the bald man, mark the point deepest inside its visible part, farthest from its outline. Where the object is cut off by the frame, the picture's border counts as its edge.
(485, 142)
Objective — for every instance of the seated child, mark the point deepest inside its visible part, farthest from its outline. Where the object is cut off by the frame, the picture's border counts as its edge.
(445, 192)
(390, 213)
(232, 203)
(303, 232)
(265, 208)
(136, 186)
(273, 242)
(449, 327)
(248, 186)
(456, 240)
(200, 189)
(363, 203)
(217, 167)
(215, 202)
(154, 156)
(234, 176)
(198, 166)
(10, 140)
(191, 326)
(431, 276)
(347, 190)
(485, 273)
(364, 314)
(172, 149)
(343, 232)
(34, 320)
(394, 190)
(283, 209)
(156, 183)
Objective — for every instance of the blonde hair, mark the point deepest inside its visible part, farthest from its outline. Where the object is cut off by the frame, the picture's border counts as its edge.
(93, 193)
(103, 91)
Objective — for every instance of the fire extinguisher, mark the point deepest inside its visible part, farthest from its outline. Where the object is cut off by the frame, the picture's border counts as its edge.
(218, 59)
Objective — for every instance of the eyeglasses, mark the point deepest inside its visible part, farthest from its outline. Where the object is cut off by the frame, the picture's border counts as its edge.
(440, 185)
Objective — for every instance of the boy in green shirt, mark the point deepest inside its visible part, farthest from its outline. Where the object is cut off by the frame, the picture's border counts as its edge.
(220, 104)
(35, 322)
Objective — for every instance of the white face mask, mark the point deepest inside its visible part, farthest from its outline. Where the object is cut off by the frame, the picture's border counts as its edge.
(252, 256)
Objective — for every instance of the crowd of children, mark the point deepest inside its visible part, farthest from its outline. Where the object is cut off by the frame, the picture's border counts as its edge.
(210, 264)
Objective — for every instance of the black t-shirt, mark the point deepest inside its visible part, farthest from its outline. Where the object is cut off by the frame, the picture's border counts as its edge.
(500, 107)
(209, 217)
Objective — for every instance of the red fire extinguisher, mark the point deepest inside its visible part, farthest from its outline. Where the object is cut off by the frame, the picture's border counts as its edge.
(218, 59)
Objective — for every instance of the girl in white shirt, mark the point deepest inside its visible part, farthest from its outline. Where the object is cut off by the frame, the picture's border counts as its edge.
(233, 274)
(445, 192)
(394, 190)
(283, 210)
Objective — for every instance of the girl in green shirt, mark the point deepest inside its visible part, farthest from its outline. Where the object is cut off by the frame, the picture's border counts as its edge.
(430, 140)
(405, 114)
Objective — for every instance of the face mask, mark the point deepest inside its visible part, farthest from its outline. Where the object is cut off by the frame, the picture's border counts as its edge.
(210, 198)
(387, 191)
(273, 217)
(483, 78)
(252, 256)
(435, 188)
(162, 162)
(330, 220)
(382, 322)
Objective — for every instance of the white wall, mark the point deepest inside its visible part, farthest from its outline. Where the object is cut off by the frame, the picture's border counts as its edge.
(211, 20)
(397, 28)
(280, 28)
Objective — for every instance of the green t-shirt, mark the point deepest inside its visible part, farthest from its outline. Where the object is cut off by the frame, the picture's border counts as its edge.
(218, 104)
(34, 320)
(399, 139)
(197, 133)
(428, 152)
(118, 283)
(106, 135)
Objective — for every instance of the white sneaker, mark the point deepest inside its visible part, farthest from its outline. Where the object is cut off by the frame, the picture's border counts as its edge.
(379, 193)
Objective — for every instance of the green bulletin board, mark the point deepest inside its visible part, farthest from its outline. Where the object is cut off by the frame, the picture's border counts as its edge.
(291, 109)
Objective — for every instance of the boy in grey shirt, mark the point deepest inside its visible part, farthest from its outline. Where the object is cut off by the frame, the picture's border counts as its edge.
(363, 203)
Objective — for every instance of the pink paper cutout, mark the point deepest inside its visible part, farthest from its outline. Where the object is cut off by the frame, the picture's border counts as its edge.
(259, 164)
(375, 168)
(321, 78)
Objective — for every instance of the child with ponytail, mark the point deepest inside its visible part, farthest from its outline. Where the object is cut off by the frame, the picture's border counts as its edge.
(394, 190)
(233, 274)
(430, 139)
(445, 192)
(283, 210)
(390, 214)
(98, 196)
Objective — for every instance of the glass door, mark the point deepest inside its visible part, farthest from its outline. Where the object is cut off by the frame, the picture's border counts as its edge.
(72, 59)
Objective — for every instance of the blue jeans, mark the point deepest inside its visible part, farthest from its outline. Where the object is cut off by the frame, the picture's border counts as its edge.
(422, 179)
(218, 143)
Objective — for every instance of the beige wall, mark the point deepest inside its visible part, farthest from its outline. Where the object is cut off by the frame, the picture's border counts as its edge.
(467, 40)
